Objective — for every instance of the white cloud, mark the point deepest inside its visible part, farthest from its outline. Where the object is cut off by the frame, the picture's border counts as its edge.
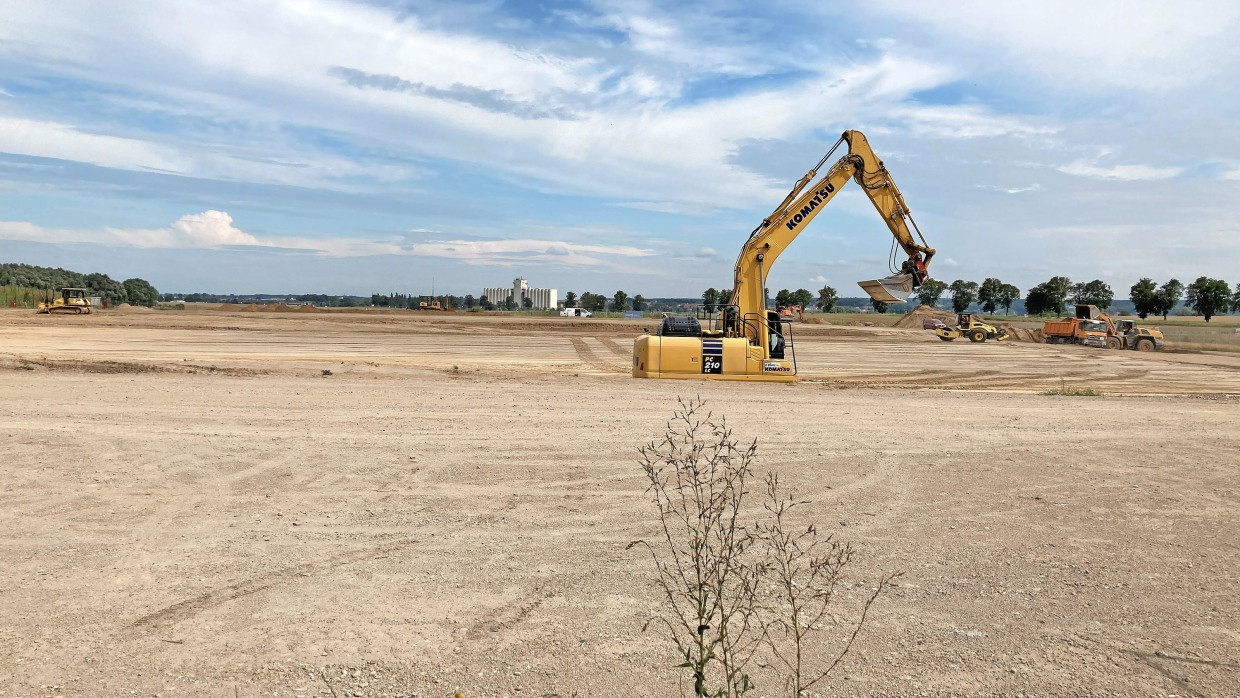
(56, 140)
(212, 229)
(1141, 44)
(1233, 175)
(215, 229)
(1010, 190)
(820, 279)
(1082, 168)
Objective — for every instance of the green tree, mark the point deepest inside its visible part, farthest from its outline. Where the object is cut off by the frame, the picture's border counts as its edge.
(1008, 294)
(102, 285)
(827, 298)
(802, 297)
(1209, 297)
(510, 303)
(1235, 299)
(710, 299)
(639, 303)
(527, 302)
(470, 301)
(989, 294)
(1169, 295)
(879, 306)
(783, 299)
(929, 292)
(963, 294)
(570, 300)
(140, 292)
(620, 301)
(1096, 292)
(1039, 301)
(1144, 297)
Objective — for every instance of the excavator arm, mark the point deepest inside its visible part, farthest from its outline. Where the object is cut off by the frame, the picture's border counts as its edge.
(778, 230)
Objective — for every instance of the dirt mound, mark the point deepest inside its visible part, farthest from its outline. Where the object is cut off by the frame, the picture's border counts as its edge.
(912, 319)
(1021, 334)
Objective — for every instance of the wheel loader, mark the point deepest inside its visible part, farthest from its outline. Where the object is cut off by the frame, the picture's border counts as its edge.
(967, 325)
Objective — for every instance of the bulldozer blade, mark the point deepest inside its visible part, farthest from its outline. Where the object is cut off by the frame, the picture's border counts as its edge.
(891, 289)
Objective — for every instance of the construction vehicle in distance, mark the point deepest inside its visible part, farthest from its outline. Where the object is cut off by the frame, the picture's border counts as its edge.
(742, 339)
(72, 300)
(1076, 330)
(432, 303)
(791, 312)
(967, 325)
(1123, 334)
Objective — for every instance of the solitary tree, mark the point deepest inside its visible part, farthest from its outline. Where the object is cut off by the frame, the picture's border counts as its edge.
(510, 303)
(527, 302)
(710, 299)
(783, 299)
(801, 297)
(988, 294)
(1144, 297)
(963, 294)
(570, 300)
(140, 292)
(620, 301)
(1209, 297)
(826, 299)
(639, 303)
(1039, 301)
(1096, 292)
(1235, 299)
(879, 306)
(1008, 294)
(1169, 295)
(929, 292)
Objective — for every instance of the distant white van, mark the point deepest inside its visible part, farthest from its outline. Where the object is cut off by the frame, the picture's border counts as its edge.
(575, 312)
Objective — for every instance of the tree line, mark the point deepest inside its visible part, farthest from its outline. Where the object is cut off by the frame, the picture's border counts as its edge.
(596, 302)
(133, 291)
(1208, 297)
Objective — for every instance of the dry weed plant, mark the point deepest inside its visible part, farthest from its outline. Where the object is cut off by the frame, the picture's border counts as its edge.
(733, 588)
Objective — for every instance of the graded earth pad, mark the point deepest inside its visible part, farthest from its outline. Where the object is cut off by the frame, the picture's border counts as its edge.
(193, 506)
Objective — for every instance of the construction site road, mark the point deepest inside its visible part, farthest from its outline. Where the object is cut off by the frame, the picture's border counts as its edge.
(393, 504)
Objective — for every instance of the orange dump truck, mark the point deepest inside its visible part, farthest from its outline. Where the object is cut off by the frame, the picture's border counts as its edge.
(1076, 330)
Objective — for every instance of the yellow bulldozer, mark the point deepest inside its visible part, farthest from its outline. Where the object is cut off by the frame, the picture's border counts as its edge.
(72, 300)
(967, 325)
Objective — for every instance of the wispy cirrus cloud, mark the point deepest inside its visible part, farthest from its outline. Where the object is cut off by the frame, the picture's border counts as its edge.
(1083, 168)
(216, 229)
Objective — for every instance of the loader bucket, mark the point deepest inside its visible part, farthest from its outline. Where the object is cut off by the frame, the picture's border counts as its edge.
(892, 289)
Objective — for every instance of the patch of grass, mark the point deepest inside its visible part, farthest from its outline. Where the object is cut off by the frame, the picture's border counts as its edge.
(327, 372)
(24, 366)
(1074, 392)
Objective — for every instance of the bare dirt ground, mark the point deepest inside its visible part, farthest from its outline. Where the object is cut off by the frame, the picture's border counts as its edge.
(191, 507)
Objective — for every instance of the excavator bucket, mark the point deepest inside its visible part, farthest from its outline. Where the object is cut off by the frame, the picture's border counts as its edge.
(892, 289)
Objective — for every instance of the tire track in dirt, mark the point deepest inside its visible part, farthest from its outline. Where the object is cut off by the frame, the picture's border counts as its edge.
(586, 354)
(614, 346)
(507, 615)
(184, 610)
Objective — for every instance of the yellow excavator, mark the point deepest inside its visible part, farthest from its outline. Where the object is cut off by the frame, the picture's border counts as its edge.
(743, 340)
(72, 300)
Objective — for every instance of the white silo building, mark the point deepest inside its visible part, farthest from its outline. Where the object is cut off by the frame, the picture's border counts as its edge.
(540, 298)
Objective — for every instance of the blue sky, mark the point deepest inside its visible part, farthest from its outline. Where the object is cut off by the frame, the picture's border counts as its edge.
(342, 146)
